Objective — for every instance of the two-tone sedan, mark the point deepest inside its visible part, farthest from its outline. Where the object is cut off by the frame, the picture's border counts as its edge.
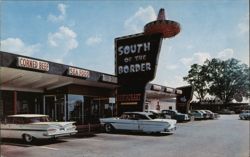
(212, 115)
(139, 122)
(34, 126)
(197, 114)
(180, 117)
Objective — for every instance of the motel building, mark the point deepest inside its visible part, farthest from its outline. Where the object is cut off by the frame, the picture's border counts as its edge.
(66, 93)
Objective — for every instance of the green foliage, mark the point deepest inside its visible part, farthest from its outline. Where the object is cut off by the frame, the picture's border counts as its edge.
(223, 79)
(197, 78)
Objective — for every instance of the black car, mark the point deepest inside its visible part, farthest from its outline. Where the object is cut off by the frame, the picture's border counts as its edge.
(176, 115)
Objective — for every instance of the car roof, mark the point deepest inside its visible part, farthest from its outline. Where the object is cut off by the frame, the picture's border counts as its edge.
(170, 110)
(145, 113)
(195, 110)
(28, 115)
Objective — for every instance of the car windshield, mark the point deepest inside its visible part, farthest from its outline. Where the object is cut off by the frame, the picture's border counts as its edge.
(153, 116)
(246, 111)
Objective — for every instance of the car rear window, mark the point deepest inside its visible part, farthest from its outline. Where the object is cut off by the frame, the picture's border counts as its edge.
(36, 119)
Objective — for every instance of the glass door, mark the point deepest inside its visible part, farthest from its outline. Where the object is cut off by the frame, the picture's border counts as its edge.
(50, 106)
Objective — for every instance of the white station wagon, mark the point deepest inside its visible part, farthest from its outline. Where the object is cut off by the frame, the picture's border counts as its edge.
(34, 126)
(138, 121)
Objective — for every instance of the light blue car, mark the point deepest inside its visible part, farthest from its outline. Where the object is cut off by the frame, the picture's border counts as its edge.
(245, 114)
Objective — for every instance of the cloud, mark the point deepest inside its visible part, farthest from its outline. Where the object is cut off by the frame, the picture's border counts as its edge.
(93, 40)
(64, 38)
(57, 60)
(244, 24)
(16, 45)
(171, 67)
(177, 81)
(39, 17)
(198, 58)
(136, 22)
(190, 46)
(226, 54)
(62, 9)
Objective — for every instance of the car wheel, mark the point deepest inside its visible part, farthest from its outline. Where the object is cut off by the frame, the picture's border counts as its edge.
(54, 139)
(108, 128)
(28, 138)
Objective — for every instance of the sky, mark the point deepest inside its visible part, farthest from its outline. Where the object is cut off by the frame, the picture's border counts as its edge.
(82, 33)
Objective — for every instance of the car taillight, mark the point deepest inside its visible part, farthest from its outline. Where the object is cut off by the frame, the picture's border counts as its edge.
(51, 130)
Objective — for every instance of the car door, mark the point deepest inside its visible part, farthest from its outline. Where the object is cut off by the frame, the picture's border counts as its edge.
(5, 128)
(133, 123)
(145, 124)
(15, 128)
(128, 123)
(173, 114)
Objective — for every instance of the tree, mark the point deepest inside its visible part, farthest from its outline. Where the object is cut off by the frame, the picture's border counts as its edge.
(222, 79)
(197, 78)
(227, 79)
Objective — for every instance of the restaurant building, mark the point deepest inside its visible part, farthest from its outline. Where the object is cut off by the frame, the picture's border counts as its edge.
(65, 93)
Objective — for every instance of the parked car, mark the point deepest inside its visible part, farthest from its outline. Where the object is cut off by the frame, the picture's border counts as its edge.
(139, 122)
(180, 117)
(159, 114)
(226, 111)
(206, 115)
(212, 115)
(197, 114)
(245, 114)
(34, 126)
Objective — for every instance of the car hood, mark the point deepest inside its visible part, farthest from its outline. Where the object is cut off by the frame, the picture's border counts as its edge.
(111, 118)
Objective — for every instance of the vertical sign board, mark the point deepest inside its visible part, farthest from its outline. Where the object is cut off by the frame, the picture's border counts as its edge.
(135, 65)
(183, 100)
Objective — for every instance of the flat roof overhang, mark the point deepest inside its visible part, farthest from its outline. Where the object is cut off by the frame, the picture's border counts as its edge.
(154, 91)
(25, 80)
(159, 95)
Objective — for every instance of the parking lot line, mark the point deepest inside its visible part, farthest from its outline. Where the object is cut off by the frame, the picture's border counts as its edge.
(44, 147)
(16, 144)
(85, 139)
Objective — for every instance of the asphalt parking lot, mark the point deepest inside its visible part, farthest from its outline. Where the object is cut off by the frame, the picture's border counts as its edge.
(226, 137)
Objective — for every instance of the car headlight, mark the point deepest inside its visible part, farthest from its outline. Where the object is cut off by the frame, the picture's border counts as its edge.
(168, 124)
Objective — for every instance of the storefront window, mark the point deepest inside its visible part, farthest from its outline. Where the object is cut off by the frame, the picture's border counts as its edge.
(95, 108)
(101, 108)
(6, 102)
(29, 103)
(75, 108)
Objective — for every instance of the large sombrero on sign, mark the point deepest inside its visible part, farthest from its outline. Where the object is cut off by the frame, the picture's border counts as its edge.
(168, 28)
